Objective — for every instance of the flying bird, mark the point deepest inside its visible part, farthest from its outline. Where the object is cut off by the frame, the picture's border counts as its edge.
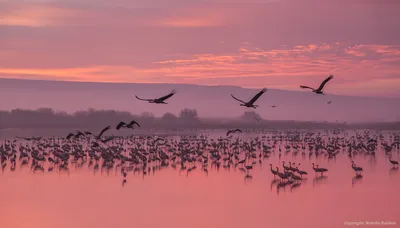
(160, 100)
(130, 125)
(319, 90)
(233, 131)
(257, 118)
(70, 135)
(29, 139)
(79, 134)
(100, 134)
(250, 104)
(329, 102)
(108, 139)
(273, 106)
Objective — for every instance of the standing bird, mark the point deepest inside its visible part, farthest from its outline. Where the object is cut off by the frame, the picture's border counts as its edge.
(355, 168)
(274, 172)
(160, 100)
(250, 104)
(394, 163)
(130, 125)
(319, 170)
(233, 131)
(319, 90)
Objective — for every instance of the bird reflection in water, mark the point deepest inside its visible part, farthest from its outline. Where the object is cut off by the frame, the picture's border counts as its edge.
(356, 179)
(393, 171)
(295, 186)
(248, 178)
(319, 180)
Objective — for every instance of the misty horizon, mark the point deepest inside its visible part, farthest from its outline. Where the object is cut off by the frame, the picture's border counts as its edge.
(209, 101)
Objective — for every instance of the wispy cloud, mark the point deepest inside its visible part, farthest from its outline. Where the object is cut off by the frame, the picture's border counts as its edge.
(253, 67)
(36, 15)
(248, 43)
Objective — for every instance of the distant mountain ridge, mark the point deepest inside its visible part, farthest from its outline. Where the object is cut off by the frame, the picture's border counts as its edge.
(210, 101)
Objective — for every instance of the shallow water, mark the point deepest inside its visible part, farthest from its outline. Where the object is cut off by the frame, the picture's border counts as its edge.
(224, 198)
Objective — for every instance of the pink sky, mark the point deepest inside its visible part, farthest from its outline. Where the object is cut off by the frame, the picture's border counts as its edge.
(252, 43)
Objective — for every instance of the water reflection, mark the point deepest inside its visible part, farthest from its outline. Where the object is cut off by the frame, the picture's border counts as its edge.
(356, 179)
(140, 176)
(393, 171)
(319, 180)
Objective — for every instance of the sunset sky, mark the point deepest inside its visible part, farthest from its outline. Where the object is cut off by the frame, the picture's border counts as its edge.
(250, 43)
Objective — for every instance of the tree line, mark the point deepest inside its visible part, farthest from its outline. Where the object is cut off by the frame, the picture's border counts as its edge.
(46, 118)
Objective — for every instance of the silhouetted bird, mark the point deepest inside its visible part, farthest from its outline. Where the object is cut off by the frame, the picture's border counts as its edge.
(130, 125)
(70, 135)
(233, 131)
(319, 90)
(250, 104)
(394, 163)
(160, 100)
(100, 134)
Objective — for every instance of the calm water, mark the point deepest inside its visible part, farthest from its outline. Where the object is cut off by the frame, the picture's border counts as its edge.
(224, 198)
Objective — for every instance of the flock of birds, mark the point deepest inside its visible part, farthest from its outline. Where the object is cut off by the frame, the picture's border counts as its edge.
(148, 154)
(144, 155)
(248, 104)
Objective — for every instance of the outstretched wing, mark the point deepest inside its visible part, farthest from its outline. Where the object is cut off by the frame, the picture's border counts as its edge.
(258, 95)
(23, 138)
(324, 82)
(120, 125)
(167, 96)
(79, 133)
(69, 135)
(237, 99)
(238, 130)
(143, 99)
(306, 87)
(134, 122)
(104, 130)
(108, 139)
(227, 134)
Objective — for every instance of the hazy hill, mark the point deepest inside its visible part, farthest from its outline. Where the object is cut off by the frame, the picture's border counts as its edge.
(210, 101)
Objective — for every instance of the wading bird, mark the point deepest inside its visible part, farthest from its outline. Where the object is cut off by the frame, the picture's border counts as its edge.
(394, 163)
(319, 90)
(160, 100)
(319, 170)
(250, 104)
(355, 168)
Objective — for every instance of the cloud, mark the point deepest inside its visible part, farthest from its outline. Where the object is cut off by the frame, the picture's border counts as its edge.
(250, 66)
(37, 15)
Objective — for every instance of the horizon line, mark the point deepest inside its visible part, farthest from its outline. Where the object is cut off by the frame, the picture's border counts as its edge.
(188, 84)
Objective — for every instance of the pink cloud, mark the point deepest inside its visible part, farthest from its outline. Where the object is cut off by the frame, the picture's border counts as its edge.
(218, 42)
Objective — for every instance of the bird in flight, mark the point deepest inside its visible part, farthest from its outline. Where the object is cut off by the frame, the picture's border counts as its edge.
(329, 102)
(130, 125)
(250, 104)
(29, 139)
(100, 134)
(233, 131)
(273, 106)
(257, 118)
(319, 90)
(160, 100)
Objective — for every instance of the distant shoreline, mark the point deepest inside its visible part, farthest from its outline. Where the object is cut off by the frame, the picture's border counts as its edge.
(45, 119)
